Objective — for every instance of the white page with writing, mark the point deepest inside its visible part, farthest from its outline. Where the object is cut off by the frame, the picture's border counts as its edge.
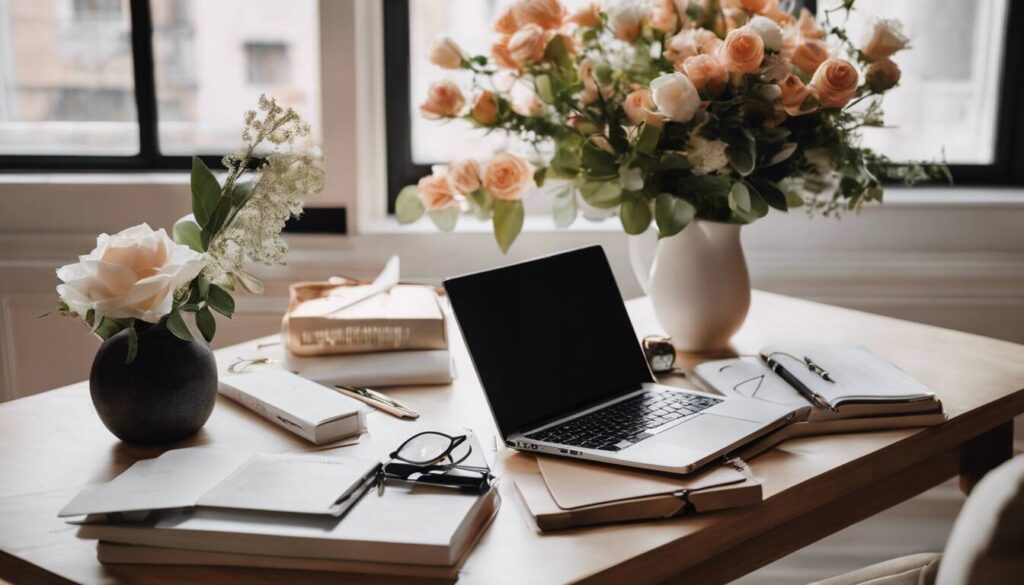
(176, 479)
(749, 377)
(310, 484)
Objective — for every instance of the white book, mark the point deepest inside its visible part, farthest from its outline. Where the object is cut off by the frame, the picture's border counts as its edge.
(313, 411)
(385, 368)
(417, 525)
(213, 478)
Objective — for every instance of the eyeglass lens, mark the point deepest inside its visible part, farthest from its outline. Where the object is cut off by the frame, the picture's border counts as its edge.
(425, 448)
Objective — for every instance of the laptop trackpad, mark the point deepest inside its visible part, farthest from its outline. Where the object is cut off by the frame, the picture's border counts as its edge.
(708, 432)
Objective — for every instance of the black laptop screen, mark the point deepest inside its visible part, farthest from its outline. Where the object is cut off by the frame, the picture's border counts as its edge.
(548, 336)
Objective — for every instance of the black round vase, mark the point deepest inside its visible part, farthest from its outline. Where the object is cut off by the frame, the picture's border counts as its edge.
(165, 394)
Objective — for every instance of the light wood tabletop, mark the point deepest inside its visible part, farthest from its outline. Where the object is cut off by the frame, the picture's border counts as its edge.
(53, 443)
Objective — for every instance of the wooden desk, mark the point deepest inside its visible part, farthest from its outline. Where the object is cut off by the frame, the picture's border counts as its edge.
(52, 443)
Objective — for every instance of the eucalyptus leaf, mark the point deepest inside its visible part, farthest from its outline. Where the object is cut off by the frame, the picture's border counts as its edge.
(741, 159)
(408, 207)
(673, 161)
(188, 233)
(480, 202)
(601, 194)
(635, 214)
(672, 214)
(598, 162)
(221, 301)
(784, 153)
(793, 199)
(445, 219)
(176, 325)
(508, 222)
(205, 191)
(206, 323)
(133, 343)
(771, 193)
(706, 186)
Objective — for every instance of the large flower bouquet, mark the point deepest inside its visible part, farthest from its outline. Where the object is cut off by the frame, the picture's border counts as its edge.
(141, 275)
(666, 112)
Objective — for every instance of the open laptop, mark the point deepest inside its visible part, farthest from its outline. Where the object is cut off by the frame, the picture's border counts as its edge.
(564, 372)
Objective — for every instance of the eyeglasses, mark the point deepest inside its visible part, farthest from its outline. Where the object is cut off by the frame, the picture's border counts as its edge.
(436, 458)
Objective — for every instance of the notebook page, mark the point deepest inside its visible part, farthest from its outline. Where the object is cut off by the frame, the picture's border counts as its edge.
(858, 373)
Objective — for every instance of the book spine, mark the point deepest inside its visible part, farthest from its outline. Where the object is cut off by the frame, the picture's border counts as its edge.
(328, 336)
(270, 412)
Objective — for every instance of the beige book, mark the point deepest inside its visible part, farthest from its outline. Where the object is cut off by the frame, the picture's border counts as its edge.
(331, 318)
(569, 493)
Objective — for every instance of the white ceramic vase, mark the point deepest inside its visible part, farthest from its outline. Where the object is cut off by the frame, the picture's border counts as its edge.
(697, 281)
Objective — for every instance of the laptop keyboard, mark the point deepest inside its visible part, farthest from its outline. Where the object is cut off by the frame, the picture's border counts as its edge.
(625, 423)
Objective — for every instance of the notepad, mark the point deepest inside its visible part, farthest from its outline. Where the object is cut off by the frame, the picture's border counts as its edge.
(226, 478)
(862, 383)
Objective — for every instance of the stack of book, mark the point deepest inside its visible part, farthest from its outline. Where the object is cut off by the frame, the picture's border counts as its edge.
(371, 334)
(217, 507)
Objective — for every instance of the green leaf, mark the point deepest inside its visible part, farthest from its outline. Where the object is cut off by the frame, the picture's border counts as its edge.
(205, 191)
(508, 222)
(480, 202)
(705, 186)
(221, 301)
(188, 233)
(648, 139)
(109, 327)
(672, 161)
(739, 198)
(601, 194)
(741, 159)
(206, 323)
(794, 200)
(408, 207)
(672, 214)
(539, 175)
(445, 219)
(598, 162)
(216, 221)
(635, 214)
(771, 193)
(565, 209)
(133, 343)
(556, 52)
(176, 325)
(543, 83)
(203, 286)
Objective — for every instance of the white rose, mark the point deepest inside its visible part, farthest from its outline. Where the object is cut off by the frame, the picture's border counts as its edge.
(675, 96)
(445, 53)
(129, 275)
(770, 33)
(626, 18)
(886, 39)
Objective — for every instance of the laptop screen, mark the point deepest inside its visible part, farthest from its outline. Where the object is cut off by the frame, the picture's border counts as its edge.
(548, 336)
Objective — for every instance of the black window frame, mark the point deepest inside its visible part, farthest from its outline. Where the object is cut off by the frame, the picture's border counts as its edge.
(1007, 168)
(318, 220)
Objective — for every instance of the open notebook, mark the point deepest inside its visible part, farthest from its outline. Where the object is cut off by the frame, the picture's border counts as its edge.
(850, 381)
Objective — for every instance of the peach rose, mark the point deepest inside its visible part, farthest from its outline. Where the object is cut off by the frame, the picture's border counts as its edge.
(435, 190)
(507, 176)
(444, 100)
(794, 92)
(464, 175)
(640, 108)
(589, 16)
(886, 39)
(548, 14)
(707, 41)
(485, 108)
(742, 51)
(681, 47)
(506, 23)
(707, 73)
(882, 75)
(834, 83)
(526, 103)
(808, 27)
(445, 53)
(528, 44)
(663, 17)
(626, 18)
(758, 6)
(502, 56)
(810, 54)
(590, 87)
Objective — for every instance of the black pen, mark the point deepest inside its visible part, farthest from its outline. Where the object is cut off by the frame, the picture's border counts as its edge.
(812, 396)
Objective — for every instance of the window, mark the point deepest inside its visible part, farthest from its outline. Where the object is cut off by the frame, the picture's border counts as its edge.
(266, 63)
(960, 97)
(144, 84)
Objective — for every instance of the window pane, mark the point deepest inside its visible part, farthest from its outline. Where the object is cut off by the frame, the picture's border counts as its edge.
(213, 59)
(948, 96)
(66, 80)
